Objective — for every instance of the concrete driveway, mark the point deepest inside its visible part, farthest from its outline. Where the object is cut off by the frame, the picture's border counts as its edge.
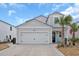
(31, 50)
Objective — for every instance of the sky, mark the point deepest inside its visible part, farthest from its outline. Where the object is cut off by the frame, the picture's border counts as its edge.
(17, 13)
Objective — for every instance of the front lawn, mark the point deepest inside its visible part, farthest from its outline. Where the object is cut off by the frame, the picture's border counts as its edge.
(3, 46)
(70, 51)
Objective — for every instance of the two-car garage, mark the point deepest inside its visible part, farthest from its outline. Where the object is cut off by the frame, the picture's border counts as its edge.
(34, 32)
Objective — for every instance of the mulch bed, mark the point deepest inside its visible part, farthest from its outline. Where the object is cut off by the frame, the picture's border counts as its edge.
(3, 46)
(70, 51)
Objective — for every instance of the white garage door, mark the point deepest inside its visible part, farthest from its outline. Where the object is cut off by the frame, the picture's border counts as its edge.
(34, 37)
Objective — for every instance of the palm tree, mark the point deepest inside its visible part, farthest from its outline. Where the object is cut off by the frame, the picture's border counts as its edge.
(74, 28)
(62, 21)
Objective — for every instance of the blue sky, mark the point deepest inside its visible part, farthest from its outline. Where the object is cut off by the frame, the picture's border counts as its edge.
(16, 14)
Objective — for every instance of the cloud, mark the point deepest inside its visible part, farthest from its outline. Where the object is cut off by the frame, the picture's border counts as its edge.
(56, 6)
(3, 5)
(10, 12)
(19, 20)
(42, 4)
(76, 18)
(68, 11)
(76, 7)
(72, 10)
(13, 5)
(76, 4)
(17, 5)
(53, 5)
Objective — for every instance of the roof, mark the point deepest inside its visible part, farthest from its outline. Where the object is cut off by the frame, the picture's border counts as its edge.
(41, 21)
(41, 16)
(31, 20)
(6, 23)
(26, 22)
(56, 12)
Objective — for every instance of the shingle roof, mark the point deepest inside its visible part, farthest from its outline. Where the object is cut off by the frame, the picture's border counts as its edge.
(6, 23)
(31, 20)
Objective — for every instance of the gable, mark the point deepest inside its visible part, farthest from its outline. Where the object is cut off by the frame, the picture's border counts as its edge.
(33, 23)
(42, 19)
(51, 19)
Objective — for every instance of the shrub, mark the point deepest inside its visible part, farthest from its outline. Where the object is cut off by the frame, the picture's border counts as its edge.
(74, 41)
(13, 40)
(60, 45)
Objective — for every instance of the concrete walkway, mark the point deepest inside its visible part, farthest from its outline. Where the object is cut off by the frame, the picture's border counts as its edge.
(31, 50)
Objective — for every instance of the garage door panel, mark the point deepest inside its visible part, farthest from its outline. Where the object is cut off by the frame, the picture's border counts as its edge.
(34, 37)
(27, 36)
(42, 36)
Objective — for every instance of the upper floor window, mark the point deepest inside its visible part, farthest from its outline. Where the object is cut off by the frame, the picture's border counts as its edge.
(55, 18)
(10, 28)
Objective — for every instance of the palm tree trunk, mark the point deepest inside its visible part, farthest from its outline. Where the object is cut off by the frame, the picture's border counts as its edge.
(63, 42)
(73, 35)
(73, 38)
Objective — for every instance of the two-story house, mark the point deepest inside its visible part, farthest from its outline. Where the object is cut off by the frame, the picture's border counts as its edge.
(40, 30)
(7, 31)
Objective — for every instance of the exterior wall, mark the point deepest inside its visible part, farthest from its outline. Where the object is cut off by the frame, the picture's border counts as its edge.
(70, 35)
(51, 19)
(77, 34)
(5, 31)
(13, 32)
(67, 32)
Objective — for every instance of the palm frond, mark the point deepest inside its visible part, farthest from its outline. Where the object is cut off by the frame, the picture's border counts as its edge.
(74, 27)
(78, 26)
(68, 19)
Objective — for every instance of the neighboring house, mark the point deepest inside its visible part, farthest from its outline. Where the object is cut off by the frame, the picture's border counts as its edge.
(69, 33)
(7, 31)
(40, 30)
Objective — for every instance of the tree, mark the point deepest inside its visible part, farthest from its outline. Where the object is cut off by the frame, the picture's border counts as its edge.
(62, 21)
(74, 28)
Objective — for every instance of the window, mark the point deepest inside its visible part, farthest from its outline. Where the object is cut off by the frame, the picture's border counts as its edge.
(55, 18)
(10, 28)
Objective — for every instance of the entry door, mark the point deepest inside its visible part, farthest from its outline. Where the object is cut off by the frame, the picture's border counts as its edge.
(53, 37)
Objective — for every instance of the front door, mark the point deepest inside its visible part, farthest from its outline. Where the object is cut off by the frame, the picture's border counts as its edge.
(56, 36)
(53, 37)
